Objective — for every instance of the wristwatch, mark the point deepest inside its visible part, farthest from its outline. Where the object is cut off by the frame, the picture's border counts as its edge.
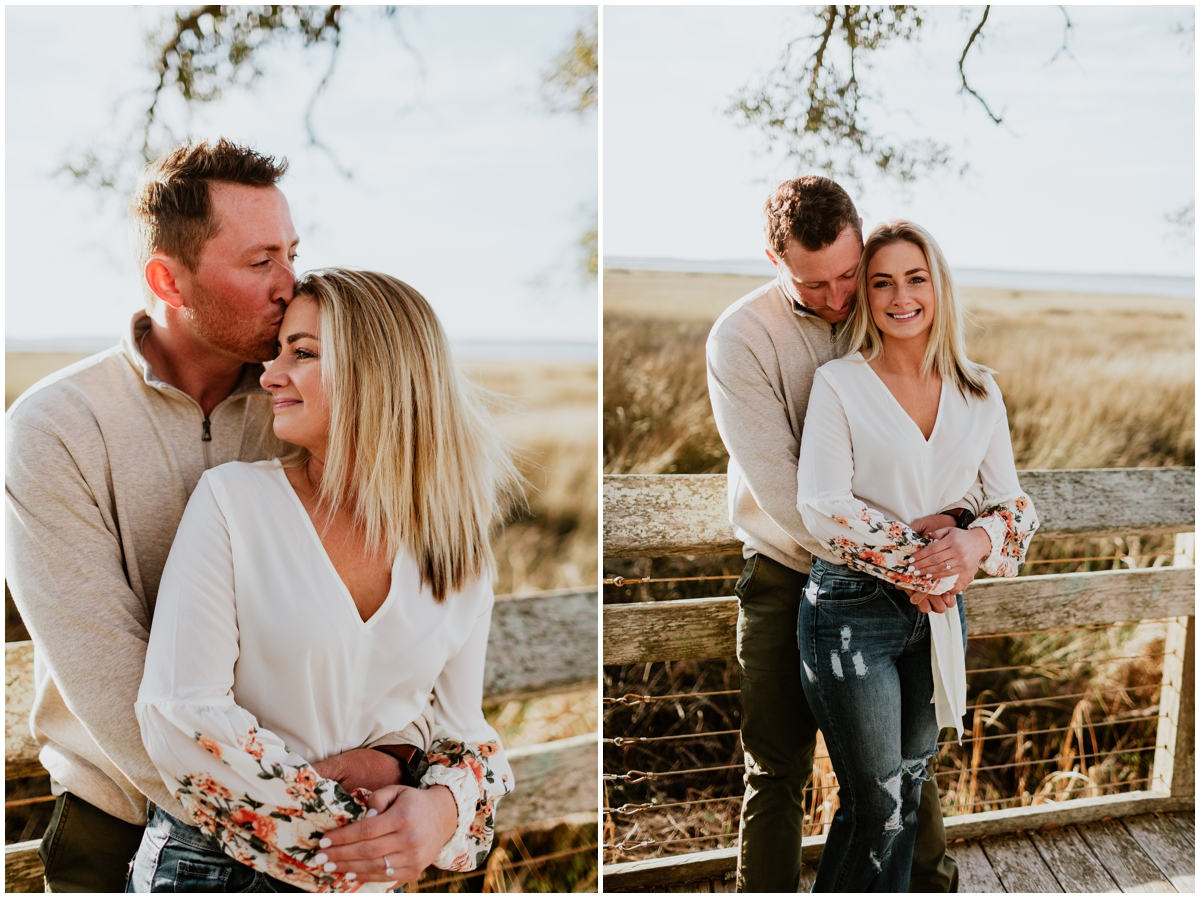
(412, 762)
(963, 519)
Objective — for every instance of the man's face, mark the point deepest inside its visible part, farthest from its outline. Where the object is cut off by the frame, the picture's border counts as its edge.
(236, 297)
(822, 280)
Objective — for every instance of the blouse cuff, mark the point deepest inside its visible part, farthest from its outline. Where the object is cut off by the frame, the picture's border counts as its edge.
(456, 853)
(1009, 525)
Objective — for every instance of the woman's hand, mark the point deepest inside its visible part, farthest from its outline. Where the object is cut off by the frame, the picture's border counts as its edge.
(928, 603)
(360, 768)
(405, 830)
(952, 553)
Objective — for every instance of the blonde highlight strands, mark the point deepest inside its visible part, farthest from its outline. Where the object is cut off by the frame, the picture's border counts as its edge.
(412, 448)
(946, 353)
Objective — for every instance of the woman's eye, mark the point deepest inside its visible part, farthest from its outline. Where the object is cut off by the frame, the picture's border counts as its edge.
(917, 280)
(304, 354)
(879, 285)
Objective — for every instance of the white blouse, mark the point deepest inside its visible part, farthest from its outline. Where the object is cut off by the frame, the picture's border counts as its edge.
(866, 472)
(259, 665)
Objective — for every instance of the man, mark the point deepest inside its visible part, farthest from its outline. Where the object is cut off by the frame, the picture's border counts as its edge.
(101, 459)
(762, 354)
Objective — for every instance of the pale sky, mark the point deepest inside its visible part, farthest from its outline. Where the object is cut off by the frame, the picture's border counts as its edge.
(466, 187)
(1093, 153)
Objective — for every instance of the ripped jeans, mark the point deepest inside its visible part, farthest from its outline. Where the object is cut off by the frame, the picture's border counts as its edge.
(866, 672)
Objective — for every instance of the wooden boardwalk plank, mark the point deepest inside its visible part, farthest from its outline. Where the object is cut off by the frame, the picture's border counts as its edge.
(1071, 861)
(1167, 847)
(1018, 864)
(1186, 824)
(1123, 858)
(975, 874)
(808, 876)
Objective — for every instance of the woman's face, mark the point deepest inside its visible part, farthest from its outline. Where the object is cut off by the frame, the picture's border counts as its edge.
(294, 379)
(900, 291)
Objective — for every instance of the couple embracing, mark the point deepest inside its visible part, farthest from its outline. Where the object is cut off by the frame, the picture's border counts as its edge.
(251, 547)
(870, 476)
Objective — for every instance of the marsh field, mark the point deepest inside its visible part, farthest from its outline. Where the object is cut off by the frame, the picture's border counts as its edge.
(548, 412)
(1089, 381)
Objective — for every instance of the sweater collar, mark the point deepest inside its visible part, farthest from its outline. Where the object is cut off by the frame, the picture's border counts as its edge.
(131, 346)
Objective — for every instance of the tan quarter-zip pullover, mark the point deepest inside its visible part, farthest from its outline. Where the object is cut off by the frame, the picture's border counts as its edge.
(101, 458)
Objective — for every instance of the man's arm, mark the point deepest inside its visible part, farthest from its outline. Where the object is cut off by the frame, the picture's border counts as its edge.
(752, 419)
(67, 575)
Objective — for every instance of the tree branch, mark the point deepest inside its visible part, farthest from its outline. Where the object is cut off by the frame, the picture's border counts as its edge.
(962, 72)
(1065, 48)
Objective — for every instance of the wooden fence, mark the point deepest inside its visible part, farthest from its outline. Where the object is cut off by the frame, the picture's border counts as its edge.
(539, 645)
(654, 516)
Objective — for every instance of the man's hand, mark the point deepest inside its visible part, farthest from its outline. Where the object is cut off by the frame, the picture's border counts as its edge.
(952, 553)
(360, 768)
(931, 522)
(408, 829)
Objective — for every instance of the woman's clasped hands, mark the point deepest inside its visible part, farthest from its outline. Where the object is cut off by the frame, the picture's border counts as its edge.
(953, 553)
(401, 834)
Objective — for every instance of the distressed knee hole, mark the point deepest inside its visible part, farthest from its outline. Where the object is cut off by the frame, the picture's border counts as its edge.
(874, 859)
(917, 769)
(891, 787)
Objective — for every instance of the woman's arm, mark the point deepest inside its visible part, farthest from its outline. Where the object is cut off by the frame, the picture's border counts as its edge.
(860, 536)
(467, 755)
(265, 804)
(1008, 515)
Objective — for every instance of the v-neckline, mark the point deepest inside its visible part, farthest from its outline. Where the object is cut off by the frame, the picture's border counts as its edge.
(316, 537)
(936, 421)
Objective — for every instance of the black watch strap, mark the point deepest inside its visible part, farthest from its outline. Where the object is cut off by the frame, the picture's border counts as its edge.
(412, 762)
(963, 519)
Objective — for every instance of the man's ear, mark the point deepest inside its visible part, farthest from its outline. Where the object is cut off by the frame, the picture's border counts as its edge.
(771, 256)
(162, 277)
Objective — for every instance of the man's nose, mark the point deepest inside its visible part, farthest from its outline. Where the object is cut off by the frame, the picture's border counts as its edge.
(838, 299)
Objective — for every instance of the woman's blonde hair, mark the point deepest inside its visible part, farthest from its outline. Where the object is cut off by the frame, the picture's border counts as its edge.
(946, 354)
(412, 448)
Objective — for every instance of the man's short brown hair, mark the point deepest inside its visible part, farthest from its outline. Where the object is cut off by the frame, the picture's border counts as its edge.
(811, 210)
(171, 210)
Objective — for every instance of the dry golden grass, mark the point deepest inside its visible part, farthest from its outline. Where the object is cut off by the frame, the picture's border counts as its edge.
(1089, 380)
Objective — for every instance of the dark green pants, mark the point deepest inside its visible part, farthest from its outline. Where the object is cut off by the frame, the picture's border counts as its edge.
(86, 849)
(779, 736)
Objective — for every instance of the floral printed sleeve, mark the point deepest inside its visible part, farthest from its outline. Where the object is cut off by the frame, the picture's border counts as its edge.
(264, 805)
(1008, 515)
(466, 755)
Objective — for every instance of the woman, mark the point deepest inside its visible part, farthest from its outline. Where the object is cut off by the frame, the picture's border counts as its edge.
(327, 603)
(899, 429)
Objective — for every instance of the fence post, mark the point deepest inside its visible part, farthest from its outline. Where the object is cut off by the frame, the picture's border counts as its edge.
(1175, 748)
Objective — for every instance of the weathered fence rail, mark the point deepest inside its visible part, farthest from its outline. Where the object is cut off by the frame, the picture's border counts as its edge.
(652, 515)
(539, 645)
(664, 515)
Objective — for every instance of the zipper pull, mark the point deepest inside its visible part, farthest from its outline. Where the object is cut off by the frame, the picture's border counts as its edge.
(207, 437)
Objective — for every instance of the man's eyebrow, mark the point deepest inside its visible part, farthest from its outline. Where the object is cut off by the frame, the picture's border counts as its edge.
(300, 335)
(272, 247)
